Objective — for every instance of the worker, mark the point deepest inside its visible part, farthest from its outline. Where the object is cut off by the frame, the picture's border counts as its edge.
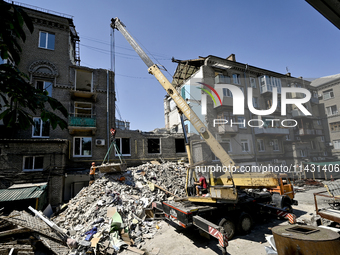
(92, 173)
(201, 184)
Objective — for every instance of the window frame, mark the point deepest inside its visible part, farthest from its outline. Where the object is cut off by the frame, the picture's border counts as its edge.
(120, 146)
(227, 92)
(329, 93)
(41, 128)
(337, 143)
(245, 141)
(276, 143)
(46, 41)
(243, 119)
(236, 78)
(44, 86)
(261, 145)
(331, 110)
(33, 164)
(253, 82)
(80, 149)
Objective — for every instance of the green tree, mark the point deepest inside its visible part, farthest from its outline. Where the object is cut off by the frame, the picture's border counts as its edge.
(19, 98)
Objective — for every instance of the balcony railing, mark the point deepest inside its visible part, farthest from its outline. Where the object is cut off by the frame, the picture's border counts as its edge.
(318, 132)
(269, 88)
(297, 113)
(82, 120)
(271, 131)
(227, 129)
(305, 131)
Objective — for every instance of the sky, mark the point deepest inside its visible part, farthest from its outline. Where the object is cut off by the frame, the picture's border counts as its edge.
(273, 35)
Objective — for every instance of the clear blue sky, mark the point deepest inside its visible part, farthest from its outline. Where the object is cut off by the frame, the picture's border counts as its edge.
(268, 34)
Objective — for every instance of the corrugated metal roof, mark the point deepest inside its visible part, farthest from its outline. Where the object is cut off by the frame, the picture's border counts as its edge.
(21, 194)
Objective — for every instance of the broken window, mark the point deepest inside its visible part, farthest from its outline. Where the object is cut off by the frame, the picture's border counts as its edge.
(180, 145)
(123, 146)
(45, 86)
(33, 163)
(82, 147)
(84, 80)
(40, 128)
(82, 109)
(154, 145)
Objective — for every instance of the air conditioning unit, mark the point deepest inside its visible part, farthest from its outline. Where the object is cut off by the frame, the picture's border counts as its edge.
(275, 161)
(100, 142)
(330, 144)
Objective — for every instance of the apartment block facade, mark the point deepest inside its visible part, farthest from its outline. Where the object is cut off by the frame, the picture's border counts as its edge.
(50, 57)
(275, 139)
(328, 89)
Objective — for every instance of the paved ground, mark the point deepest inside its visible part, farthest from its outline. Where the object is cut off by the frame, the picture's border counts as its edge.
(172, 239)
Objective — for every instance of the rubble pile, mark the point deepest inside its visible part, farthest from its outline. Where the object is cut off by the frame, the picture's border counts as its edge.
(110, 214)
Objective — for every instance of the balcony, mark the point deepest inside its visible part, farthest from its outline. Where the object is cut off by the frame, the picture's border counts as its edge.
(92, 96)
(81, 123)
(296, 95)
(269, 88)
(296, 113)
(305, 132)
(271, 131)
(314, 100)
(227, 129)
(318, 132)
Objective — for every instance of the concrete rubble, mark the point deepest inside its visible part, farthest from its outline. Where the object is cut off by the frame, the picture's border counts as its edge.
(104, 218)
(110, 214)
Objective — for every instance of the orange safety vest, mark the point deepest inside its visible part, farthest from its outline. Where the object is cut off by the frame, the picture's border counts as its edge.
(92, 170)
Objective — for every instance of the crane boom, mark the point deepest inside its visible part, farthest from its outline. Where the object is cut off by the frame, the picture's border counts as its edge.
(214, 145)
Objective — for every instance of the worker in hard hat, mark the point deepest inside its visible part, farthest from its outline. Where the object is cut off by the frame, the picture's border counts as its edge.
(92, 173)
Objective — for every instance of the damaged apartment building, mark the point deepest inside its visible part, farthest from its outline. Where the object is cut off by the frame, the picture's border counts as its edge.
(42, 165)
(270, 142)
(56, 161)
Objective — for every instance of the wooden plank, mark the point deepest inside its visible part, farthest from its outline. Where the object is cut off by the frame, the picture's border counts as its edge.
(17, 247)
(165, 190)
(14, 231)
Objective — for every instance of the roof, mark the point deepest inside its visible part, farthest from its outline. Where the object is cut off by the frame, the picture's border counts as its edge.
(14, 194)
(333, 163)
(330, 9)
(325, 80)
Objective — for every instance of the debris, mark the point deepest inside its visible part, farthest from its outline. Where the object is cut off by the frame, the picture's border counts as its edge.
(14, 231)
(111, 214)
